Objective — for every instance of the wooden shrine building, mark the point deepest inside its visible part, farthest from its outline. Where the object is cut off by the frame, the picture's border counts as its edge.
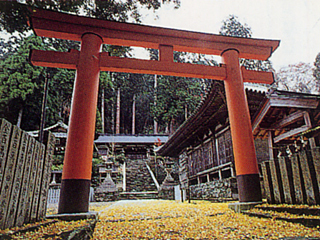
(59, 130)
(132, 146)
(281, 120)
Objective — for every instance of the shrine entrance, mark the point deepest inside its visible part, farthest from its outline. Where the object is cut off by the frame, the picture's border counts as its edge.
(89, 61)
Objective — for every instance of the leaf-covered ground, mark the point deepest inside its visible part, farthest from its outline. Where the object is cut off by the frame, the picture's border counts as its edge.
(199, 220)
(159, 219)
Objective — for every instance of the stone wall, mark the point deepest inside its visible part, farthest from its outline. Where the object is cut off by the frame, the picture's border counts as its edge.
(219, 190)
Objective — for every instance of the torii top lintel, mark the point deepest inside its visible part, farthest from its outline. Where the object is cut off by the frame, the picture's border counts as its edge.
(72, 27)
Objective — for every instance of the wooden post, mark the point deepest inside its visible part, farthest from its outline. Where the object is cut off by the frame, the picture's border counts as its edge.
(241, 130)
(309, 189)
(76, 175)
(270, 145)
(297, 181)
(285, 180)
(266, 182)
(23, 204)
(10, 167)
(275, 182)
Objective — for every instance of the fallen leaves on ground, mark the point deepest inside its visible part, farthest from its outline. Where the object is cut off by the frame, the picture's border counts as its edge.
(283, 214)
(50, 231)
(296, 206)
(203, 220)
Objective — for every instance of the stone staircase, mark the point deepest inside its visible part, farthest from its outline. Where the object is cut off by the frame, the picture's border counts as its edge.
(139, 183)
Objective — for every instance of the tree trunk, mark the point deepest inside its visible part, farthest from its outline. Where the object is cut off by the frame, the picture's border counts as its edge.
(19, 117)
(185, 112)
(171, 126)
(134, 115)
(43, 111)
(155, 124)
(102, 111)
(118, 113)
(167, 127)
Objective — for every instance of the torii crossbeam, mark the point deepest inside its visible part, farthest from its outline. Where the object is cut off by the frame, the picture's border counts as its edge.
(89, 61)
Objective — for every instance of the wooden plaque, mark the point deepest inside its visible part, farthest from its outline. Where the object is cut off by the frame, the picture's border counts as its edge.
(316, 162)
(266, 182)
(8, 175)
(24, 195)
(5, 131)
(275, 183)
(46, 176)
(31, 184)
(296, 179)
(37, 184)
(285, 180)
(17, 182)
(311, 199)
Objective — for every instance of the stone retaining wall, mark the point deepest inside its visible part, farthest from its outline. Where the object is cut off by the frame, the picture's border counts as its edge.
(220, 190)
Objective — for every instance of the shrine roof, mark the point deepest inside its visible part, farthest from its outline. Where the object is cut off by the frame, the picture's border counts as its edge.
(53, 24)
(211, 115)
(266, 108)
(283, 111)
(59, 130)
(143, 139)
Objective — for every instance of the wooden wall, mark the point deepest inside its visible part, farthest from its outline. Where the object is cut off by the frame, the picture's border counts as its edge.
(24, 176)
(213, 152)
(293, 179)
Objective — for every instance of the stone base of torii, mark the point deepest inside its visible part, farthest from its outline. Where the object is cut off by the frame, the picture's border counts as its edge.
(89, 61)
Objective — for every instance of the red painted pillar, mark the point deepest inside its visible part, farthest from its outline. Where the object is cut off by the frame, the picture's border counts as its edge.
(241, 130)
(76, 175)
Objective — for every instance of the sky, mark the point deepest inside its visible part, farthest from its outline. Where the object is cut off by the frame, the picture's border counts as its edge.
(296, 23)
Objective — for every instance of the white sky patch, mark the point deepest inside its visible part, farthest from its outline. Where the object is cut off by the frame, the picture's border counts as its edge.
(295, 22)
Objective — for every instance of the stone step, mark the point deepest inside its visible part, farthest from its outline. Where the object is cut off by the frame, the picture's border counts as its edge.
(138, 177)
(139, 195)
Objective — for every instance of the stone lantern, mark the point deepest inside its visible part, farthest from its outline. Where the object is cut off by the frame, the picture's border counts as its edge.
(167, 186)
(108, 188)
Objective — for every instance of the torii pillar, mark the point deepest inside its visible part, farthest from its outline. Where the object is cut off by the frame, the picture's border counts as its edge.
(76, 175)
(74, 197)
(246, 164)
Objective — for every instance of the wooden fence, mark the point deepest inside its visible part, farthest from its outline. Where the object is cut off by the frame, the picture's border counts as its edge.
(25, 167)
(293, 179)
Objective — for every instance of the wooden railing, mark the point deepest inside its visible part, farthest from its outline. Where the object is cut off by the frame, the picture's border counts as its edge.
(25, 167)
(293, 179)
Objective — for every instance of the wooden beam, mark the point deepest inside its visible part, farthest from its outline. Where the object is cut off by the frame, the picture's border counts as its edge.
(296, 130)
(294, 102)
(264, 110)
(65, 26)
(131, 65)
(287, 120)
(54, 59)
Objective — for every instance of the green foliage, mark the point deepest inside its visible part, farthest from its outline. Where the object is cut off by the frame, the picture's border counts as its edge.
(174, 94)
(22, 84)
(18, 79)
(95, 171)
(14, 16)
(57, 167)
(234, 28)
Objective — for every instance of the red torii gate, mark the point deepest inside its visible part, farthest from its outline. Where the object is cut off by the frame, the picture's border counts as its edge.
(89, 61)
